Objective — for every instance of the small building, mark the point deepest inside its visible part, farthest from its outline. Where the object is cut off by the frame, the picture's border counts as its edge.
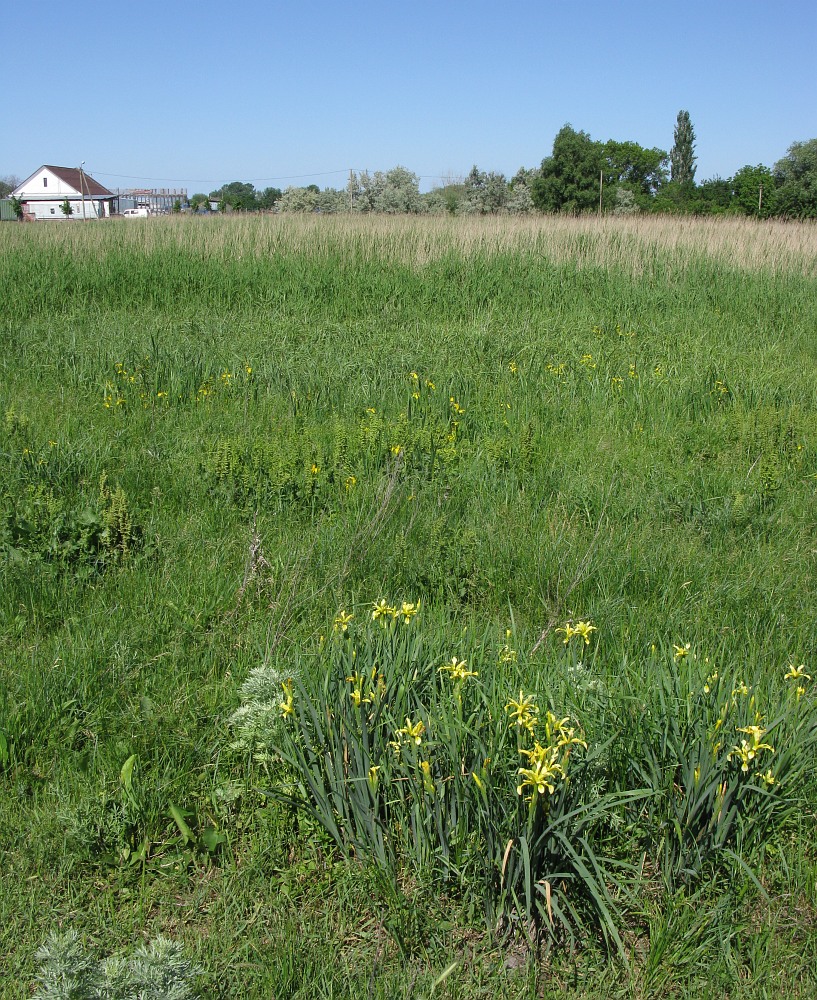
(7, 213)
(44, 193)
(158, 201)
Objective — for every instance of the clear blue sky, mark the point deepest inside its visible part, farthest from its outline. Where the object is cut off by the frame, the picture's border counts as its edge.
(195, 94)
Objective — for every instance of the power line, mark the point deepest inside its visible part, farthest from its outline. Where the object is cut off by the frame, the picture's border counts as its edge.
(258, 180)
(206, 180)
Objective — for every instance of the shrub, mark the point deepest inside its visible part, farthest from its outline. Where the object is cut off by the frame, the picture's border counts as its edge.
(156, 971)
(430, 765)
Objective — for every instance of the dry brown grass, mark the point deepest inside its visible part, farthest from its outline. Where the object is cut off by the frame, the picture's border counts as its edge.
(631, 243)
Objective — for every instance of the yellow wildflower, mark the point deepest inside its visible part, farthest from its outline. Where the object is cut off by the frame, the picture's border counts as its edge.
(287, 705)
(457, 669)
(428, 784)
(413, 732)
(523, 712)
(408, 609)
(584, 629)
(681, 652)
(564, 735)
(341, 622)
(543, 773)
(383, 610)
(506, 654)
(356, 694)
(796, 673)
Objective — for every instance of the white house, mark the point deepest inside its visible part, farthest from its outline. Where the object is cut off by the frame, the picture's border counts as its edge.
(45, 192)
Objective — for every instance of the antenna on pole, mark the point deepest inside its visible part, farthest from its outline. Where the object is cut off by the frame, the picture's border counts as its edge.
(82, 188)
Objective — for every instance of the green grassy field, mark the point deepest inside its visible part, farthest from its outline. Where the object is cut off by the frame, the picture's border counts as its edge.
(221, 438)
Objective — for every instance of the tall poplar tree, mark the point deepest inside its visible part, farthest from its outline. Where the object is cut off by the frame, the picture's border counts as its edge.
(682, 156)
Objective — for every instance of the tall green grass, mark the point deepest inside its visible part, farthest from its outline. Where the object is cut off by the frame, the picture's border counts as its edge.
(612, 422)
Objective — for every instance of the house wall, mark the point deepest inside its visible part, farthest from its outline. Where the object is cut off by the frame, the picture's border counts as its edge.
(43, 194)
(53, 186)
(45, 210)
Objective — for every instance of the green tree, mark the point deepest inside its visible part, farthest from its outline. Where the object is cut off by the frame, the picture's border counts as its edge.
(7, 185)
(177, 206)
(267, 198)
(299, 199)
(395, 192)
(753, 191)
(66, 209)
(485, 193)
(711, 197)
(569, 177)
(629, 165)
(198, 201)
(238, 195)
(330, 201)
(796, 179)
(682, 156)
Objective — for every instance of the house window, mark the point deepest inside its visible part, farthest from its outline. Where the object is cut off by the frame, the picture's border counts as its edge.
(45, 182)
(52, 211)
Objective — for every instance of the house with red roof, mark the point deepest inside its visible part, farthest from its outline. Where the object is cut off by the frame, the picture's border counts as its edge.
(45, 192)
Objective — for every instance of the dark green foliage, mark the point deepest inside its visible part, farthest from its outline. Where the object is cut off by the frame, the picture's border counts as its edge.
(796, 179)
(644, 171)
(238, 196)
(682, 155)
(569, 177)
(754, 191)
(89, 533)
(713, 196)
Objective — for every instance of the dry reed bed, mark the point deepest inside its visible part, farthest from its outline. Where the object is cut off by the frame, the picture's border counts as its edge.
(632, 244)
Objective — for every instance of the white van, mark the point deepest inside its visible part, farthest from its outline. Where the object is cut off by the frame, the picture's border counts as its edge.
(136, 213)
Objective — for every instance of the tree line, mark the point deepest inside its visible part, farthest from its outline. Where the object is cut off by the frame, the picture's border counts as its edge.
(581, 175)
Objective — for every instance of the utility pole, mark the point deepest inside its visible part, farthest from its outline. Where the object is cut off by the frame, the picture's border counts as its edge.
(760, 199)
(351, 191)
(82, 188)
(601, 188)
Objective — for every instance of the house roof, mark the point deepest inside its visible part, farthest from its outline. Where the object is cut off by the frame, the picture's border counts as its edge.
(80, 182)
